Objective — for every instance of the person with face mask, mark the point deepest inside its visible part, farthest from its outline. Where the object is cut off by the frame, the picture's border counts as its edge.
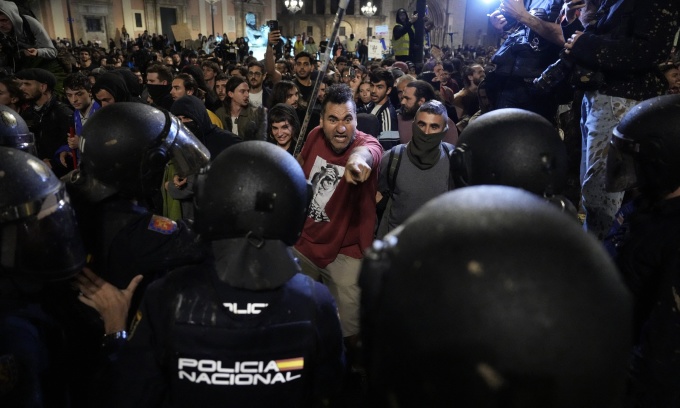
(413, 173)
(178, 192)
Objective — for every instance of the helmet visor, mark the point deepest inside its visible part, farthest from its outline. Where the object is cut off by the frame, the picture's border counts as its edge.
(188, 153)
(44, 245)
(622, 171)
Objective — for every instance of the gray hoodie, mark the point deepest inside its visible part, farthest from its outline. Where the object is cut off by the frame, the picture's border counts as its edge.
(43, 43)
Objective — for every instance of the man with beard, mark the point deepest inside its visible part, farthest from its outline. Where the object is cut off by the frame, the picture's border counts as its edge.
(466, 100)
(259, 94)
(48, 118)
(341, 162)
(410, 180)
(304, 65)
(415, 95)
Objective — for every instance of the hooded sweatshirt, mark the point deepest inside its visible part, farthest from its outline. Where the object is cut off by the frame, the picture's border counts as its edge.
(214, 138)
(42, 42)
(115, 85)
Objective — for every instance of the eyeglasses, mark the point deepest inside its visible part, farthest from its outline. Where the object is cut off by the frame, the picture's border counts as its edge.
(255, 74)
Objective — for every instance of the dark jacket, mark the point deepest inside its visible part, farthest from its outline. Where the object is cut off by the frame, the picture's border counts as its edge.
(627, 43)
(50, 124)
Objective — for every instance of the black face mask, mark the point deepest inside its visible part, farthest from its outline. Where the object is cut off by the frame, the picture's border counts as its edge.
(423, 150)
(195, 129)
(157, 92)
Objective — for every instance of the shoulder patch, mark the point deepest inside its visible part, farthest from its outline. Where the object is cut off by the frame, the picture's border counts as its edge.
(163, 225)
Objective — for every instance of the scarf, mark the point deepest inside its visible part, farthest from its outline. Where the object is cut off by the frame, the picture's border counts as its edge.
(423, 149)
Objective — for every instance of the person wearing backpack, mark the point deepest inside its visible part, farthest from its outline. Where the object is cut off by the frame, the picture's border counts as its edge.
(413, 173)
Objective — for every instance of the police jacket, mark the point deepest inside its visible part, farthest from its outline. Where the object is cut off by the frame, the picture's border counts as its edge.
(197, 340)
(649, 260)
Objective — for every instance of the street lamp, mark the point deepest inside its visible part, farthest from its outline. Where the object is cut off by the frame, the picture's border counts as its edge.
(369, 11)
(212, 14)
(293, 5)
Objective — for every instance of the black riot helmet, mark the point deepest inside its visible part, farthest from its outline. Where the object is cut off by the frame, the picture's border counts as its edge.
(488, 296)
(38, 233)
(126, 146)
(14, 131)
(645, 148)
(254, 189)
(511, 147)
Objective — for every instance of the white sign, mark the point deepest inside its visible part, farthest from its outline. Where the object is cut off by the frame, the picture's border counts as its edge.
(381, 30)
(375, 49)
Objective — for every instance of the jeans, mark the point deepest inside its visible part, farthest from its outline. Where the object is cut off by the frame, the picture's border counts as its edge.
(600, 114)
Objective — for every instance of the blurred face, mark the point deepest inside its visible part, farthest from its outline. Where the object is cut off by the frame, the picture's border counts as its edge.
(5, 24)
(80, 99)
(241, 95)
(167, 60)
(365, 93)
(152, 79)
(176, 59)
(292, 97)
(339, 122)
(281, 67)
(303, 67)
(236, 73)
(346, 78)
(178, 90)
(5, 97)
(437, 70)
(409, 103)
(322, 92)
(255, 77)
(400, 88)
(84, 56)
(478, 76)
(33, 90)
(221, 89)
(208, 73)
(379, 92)
(282, 132)
(402, 17)
(341, 66)
(673, 77)
(105, 98)
(139, 76)
(430, 123)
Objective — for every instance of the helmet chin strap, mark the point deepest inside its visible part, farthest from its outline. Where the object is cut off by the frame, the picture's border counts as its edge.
(254, 263)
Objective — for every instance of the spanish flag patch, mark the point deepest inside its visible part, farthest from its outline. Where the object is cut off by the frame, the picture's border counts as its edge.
(291, 364)
(163, 225)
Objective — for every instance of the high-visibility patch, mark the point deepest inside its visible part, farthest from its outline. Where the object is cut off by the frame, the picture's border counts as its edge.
(291, 364)
(163, 225)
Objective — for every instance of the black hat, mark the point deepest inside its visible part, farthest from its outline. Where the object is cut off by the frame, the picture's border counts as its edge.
(38, 74)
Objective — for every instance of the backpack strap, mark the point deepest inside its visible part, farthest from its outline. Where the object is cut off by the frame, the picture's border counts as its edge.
(447, 151)
(393, 166)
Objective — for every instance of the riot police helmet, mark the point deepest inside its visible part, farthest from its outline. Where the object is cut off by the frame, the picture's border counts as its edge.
(488, 296)
(254, 189)
(126, 146)
(645, 147)
(39, 237)
(14, 131)
(511, 147)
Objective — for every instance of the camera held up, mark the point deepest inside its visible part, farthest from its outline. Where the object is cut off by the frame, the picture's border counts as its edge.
(565, 69)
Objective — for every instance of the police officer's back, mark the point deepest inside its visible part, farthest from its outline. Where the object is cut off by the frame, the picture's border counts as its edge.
(245, 326)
